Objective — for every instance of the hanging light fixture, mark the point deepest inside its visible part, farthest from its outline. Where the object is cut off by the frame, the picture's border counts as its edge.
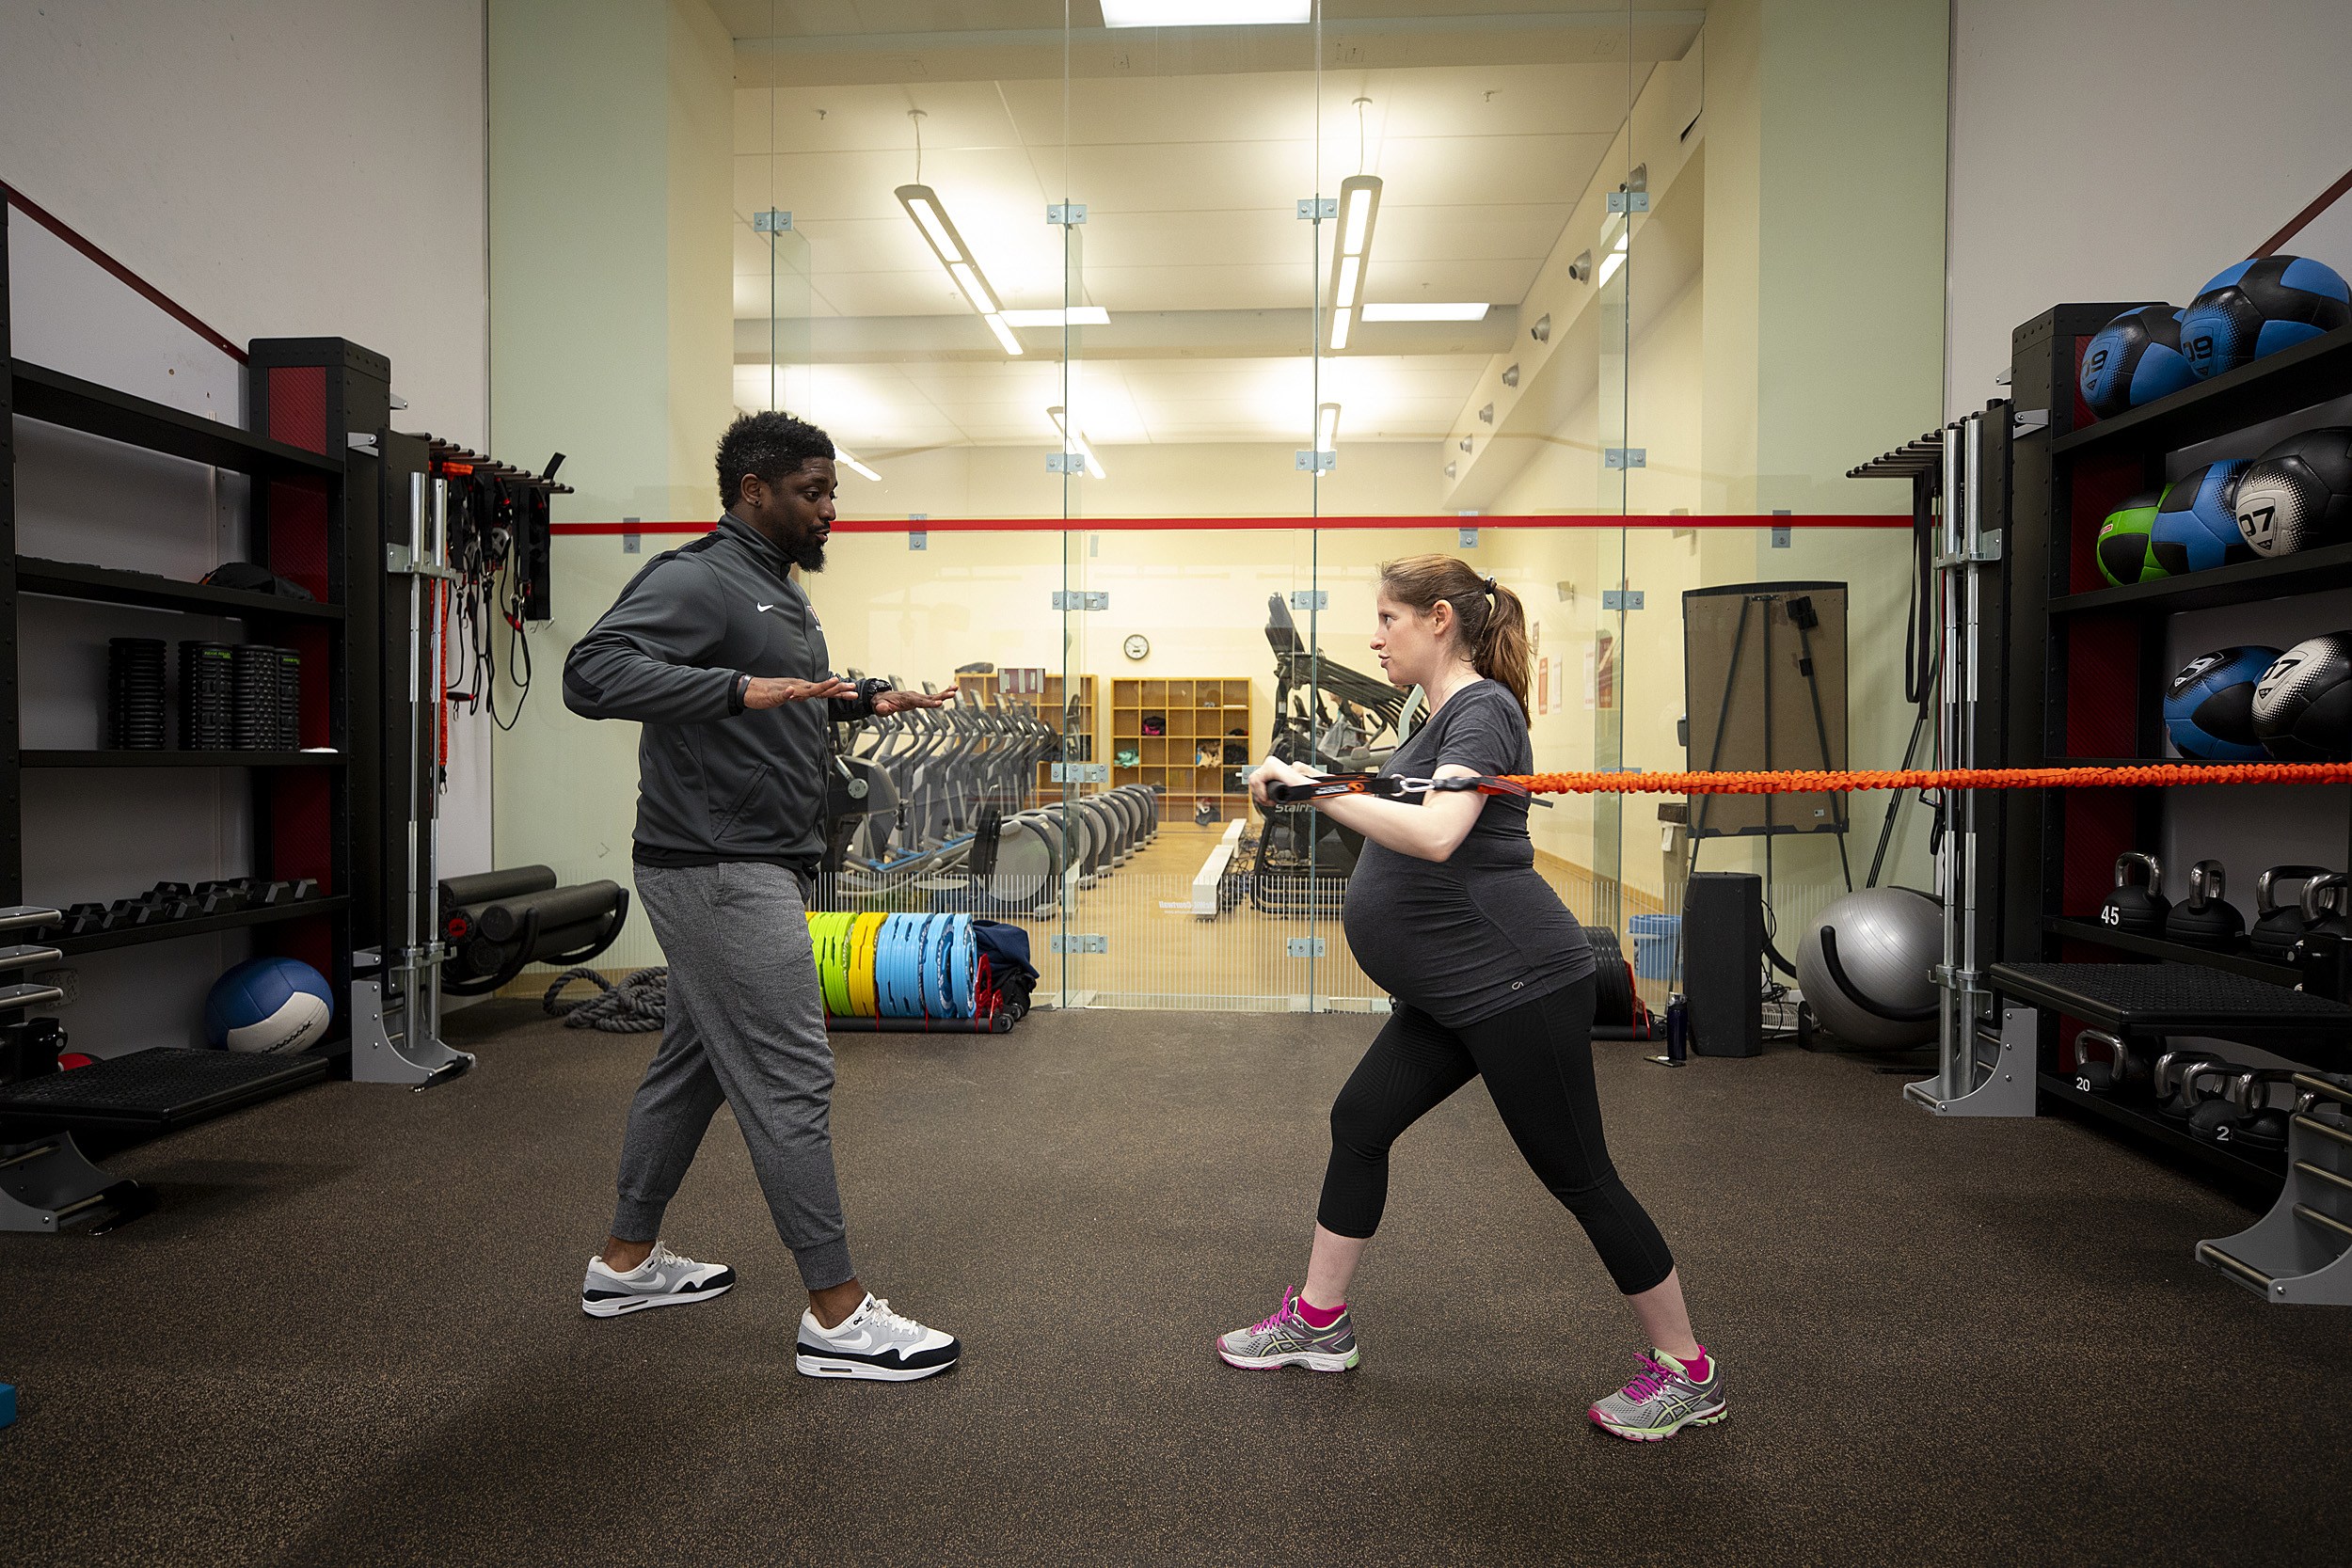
(1073, 441)
(922, 204)
(1328, 427)
(1360, 206)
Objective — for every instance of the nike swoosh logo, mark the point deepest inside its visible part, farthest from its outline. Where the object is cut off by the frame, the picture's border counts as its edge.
(865, 1340)
(766, 608)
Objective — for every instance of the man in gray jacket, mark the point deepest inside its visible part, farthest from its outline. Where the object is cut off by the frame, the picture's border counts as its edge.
(715, 650)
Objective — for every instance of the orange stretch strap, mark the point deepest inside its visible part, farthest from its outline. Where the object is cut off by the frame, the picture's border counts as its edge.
(1950, 778)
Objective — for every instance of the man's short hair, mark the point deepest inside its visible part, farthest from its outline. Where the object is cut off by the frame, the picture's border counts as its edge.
(773, 445)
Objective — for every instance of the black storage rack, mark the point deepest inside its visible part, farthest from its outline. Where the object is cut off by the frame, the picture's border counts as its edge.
(302, 801)
(2087, 672)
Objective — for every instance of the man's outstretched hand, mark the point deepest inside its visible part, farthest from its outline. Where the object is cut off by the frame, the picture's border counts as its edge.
(776, 690)
(888, 703)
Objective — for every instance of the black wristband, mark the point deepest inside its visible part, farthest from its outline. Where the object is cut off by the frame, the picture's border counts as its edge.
(737, 689)
(868, 690)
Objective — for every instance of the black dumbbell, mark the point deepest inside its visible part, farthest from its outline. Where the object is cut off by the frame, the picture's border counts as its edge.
(84, 920)
(167, 890)
(2173, 1101)
(2277, 926)
(2207, 919)
(2131, 907)
(2261, 1124)
(302, 889)
(2212, 1118)
(2110, 1076)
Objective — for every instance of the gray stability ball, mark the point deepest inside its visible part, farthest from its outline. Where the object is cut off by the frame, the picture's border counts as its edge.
(1886, 940)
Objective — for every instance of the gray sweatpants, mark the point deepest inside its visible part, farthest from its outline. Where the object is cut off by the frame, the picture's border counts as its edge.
(747, 1026)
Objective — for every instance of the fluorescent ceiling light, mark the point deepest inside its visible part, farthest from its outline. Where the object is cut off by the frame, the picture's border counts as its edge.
(923, 205)
(1466, 311)
(1074, 441)
(1080, 315)
(1360, 208)
(1205, 13)
(1328, 427)
(1004, 334)
(846, 461)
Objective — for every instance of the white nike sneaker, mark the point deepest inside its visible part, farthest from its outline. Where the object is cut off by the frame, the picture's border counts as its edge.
(874, 1343)
(663, 1279)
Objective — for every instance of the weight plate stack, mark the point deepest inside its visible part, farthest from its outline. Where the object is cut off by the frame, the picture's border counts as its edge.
(253, 697)
(135, 693)
(204, 700)
(289, 700)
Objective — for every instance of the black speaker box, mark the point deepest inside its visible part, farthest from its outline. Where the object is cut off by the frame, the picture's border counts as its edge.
(1723, 962)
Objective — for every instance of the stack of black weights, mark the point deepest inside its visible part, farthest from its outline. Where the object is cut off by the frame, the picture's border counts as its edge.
(135, 693)
(205, 696)
(253, 682)
(289, 700)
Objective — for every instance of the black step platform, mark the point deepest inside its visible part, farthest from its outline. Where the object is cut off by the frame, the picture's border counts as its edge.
(2172, 999)
(154, 1090)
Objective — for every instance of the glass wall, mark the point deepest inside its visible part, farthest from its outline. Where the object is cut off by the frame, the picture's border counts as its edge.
(1144, 346)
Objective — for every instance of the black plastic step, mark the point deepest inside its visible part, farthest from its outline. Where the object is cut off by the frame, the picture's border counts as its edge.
(160, 1089)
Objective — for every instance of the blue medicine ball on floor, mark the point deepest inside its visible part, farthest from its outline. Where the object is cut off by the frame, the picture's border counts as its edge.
(2135, 359)
(2197, 528)
(2209, 707)
(269, 1004)
(2261, 307)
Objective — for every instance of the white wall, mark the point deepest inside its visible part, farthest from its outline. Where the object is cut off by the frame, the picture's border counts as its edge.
(2109, 151)
(279, 170)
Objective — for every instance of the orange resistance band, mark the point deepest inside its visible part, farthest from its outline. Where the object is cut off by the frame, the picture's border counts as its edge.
(1952, 778)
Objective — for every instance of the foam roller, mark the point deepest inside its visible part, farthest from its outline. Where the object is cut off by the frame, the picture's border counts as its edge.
(566, 906)
(484, 887)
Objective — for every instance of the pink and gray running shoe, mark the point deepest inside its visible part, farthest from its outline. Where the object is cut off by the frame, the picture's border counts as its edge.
(1662, 1400)
(1288, 1339)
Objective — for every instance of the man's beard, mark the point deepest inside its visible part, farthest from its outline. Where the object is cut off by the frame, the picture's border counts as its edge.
(807, 552)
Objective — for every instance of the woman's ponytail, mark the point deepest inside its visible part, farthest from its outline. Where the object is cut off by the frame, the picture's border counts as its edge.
(1492, 620)
(1500, 650)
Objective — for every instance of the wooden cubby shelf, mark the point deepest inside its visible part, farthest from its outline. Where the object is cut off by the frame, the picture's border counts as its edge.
(1202, 717)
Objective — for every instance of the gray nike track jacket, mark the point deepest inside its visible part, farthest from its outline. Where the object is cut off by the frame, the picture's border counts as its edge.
(716, 781)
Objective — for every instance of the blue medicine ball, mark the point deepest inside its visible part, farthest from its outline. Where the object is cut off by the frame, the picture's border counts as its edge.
(2196, 526)
(2135, 359)
(2261, 307)
(269, 1004)
(2209, 707)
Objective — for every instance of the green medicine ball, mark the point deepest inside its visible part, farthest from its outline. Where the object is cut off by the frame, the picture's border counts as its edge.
(2123, 538)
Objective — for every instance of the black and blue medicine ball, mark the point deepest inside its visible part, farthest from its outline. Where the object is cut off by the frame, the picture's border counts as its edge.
(2304, 706)
(2209, 707)
(2196, 528)
(2297, 496)
(2261, 307)
(2135, 359)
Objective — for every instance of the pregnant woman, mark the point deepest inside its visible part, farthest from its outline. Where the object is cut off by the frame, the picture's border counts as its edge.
(1492, 978)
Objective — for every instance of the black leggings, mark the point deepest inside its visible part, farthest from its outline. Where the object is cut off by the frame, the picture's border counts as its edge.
(1537, 1061)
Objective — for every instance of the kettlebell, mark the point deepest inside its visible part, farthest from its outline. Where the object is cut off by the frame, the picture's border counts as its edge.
(2137, 910)
(2261, 1124)
(2174, 1101)
(2107, 1077)
(2207, 920)
(2212, 1118)
(2325, 902)
(2277, 927)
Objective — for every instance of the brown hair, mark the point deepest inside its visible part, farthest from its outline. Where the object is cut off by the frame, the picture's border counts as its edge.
(1491, 621)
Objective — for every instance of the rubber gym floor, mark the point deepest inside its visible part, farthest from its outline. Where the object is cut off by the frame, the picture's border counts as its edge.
(350, 1335)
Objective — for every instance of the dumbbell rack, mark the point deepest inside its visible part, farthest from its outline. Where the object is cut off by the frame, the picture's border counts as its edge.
(2300, 1253)
(2087, 665)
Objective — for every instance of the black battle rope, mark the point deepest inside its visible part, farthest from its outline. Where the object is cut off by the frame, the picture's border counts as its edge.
(638, 1005)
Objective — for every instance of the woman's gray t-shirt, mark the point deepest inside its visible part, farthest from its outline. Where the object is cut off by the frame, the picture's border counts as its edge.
(1479, 933)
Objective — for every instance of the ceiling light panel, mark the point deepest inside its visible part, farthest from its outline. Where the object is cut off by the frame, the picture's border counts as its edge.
(1080, 315)
(1206, 13)
(1465, 312)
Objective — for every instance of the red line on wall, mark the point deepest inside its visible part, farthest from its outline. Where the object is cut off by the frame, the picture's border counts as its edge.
(139, 285)
(2302, 220)
(1112, 525)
